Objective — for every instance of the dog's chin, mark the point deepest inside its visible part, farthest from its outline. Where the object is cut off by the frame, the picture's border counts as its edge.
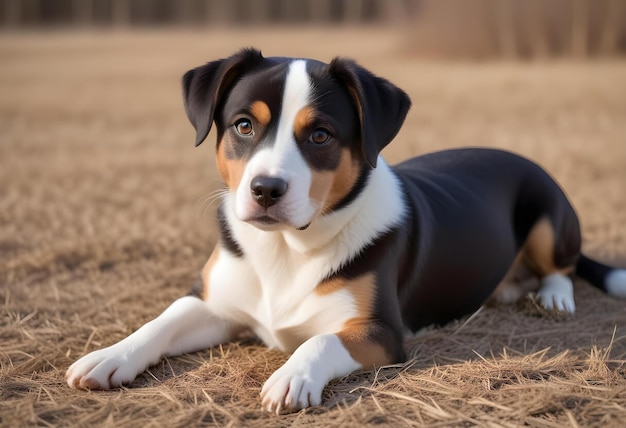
(268, 223)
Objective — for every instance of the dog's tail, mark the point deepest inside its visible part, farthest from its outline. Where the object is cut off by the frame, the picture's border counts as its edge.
(607, 278)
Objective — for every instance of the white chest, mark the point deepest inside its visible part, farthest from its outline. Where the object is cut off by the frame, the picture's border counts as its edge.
(276, 298)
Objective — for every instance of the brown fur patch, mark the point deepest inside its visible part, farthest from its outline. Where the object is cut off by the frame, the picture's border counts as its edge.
(206, 272)
(534, 259)
(356, 334)
(329, 187)
(303, 120)
(538, 250)
(321, 185)
(231, 170)
(362, 289)
(261, 112)
(345, 177)
(356, 337)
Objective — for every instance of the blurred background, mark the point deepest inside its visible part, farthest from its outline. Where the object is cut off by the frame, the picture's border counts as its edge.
(97, 165)
(440, 28)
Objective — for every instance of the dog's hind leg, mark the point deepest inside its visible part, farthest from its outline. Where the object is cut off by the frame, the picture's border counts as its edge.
(518, 282)
(187, 325)
(552, 257)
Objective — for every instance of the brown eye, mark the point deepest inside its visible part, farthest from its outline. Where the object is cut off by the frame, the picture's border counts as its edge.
(320, 136)
(244, 128)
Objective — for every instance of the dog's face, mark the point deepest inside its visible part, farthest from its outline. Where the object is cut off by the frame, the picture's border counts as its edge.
(296, 138)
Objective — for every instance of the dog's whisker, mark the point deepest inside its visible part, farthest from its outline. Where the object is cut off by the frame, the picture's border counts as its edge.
(204, 203)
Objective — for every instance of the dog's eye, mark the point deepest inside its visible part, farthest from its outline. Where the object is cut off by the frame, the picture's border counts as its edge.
(320, 136)
(244, 128)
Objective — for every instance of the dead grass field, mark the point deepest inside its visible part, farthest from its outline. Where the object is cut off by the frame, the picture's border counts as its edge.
(104, 221)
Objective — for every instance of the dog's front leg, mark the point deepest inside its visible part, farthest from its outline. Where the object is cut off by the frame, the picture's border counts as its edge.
(300, 381)
(185, 326)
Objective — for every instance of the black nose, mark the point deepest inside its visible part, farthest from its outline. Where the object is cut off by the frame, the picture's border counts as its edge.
(266, 191)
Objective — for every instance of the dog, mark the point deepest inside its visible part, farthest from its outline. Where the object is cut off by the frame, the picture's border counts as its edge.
(329, 253)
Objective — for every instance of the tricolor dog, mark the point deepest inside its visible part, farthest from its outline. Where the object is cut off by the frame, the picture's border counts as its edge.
(328, 253)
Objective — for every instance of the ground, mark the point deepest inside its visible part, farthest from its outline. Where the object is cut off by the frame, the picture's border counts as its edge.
(106, 217)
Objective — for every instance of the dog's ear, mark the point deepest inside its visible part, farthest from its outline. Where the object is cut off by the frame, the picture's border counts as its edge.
(381, 105)
(204, 87)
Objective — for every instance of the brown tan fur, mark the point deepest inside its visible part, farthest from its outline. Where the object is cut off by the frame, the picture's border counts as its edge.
(344, 178)
(303, 119)
(330, 187)
(535, 258)
(321, 184)
(231, 170)
(356, 332)
(539, 250)
(206, 271)
(261, 112)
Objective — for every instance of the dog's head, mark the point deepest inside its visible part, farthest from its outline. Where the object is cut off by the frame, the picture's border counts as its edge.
(297, 138)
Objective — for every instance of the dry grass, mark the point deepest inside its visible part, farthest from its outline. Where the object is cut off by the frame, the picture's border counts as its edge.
(104, 221)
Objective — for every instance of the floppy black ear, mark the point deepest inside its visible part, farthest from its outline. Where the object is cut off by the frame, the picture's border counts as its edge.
(381, 105)
(204, 87)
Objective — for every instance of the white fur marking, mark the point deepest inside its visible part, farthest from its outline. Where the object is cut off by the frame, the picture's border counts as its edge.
(557, 292)
(296, 96)
(283, 158)
(300, 381)
(615, 283)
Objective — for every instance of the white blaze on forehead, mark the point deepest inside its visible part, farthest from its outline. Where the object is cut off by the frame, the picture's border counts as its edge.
(296, 96)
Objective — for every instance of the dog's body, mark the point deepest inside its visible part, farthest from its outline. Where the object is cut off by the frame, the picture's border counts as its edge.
(326, 251)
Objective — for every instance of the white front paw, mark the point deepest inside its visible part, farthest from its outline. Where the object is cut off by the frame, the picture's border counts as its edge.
(290, 389)
(105, 369)
(557, 292)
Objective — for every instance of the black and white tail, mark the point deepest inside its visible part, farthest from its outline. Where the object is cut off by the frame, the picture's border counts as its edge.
(607, 278)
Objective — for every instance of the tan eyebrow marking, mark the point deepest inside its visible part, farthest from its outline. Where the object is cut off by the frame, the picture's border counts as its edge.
(261, 112)
(303, 119)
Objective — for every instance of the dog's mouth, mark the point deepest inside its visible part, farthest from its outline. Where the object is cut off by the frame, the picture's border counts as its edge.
(265, 220)
(269, 223)
(266, 223)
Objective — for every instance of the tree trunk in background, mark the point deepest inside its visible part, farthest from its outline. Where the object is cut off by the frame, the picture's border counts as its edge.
(614, 17)
(580, 26)
(505, 28)
(82, 12)
(120, 13)
(537, 34)
(320, 11)
(353, 10)
(12, 13)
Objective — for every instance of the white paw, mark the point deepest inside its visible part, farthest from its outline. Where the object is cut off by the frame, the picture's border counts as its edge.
(290, 389)
(105, 369)
(557, 292)
(616, 283)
